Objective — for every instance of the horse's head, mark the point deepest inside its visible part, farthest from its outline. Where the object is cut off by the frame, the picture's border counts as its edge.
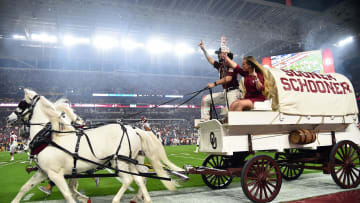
(68, 115)
(60, 114)
(24, 110)
(33, 104)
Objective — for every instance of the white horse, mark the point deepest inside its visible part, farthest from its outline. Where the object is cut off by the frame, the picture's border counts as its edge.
(55, 163)
(68, 116)
(62, 105)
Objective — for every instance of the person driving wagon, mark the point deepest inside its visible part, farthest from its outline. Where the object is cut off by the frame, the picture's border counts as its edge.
(228, 80)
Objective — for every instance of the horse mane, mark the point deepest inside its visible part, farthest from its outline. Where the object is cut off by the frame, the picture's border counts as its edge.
(54, 111)
(63, 105)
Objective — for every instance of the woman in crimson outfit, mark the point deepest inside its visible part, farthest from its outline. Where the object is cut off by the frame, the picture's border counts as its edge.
(255, 78)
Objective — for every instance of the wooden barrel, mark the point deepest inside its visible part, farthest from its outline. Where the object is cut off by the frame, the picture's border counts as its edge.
(302, 136)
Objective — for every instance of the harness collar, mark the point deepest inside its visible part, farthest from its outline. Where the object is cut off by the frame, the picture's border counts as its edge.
(41, 140)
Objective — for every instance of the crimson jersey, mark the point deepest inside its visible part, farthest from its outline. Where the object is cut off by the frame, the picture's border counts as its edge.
(252, 92)
(226, 70)
(13, 138)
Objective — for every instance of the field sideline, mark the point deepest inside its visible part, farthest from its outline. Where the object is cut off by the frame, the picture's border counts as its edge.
(13, 176)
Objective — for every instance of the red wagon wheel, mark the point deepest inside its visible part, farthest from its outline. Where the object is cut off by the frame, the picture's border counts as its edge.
(289, 170)
(345, 163)
(261, 179)
(216, 181)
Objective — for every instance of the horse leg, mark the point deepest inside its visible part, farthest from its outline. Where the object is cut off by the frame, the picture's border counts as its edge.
(126, 181)
(31, 183)
(140, 182)
(139, 196)
(73, 184)
(60, 182)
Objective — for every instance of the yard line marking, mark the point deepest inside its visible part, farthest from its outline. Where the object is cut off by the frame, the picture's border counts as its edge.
(4, 162)
(27, 197)
(119, 179)
(186, 157)
(10, 163)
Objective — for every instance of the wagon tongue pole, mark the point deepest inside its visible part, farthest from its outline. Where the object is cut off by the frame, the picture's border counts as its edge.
(205, 170)
(179, 174)
(187, 168)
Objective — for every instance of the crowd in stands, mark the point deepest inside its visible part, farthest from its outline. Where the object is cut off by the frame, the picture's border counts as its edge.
(172, 126)
(79, 86)
(175, 126)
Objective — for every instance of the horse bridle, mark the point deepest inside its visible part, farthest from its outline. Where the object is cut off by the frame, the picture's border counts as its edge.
(27, 109)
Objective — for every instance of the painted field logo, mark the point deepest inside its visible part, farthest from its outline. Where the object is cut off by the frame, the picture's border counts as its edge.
(213, 140)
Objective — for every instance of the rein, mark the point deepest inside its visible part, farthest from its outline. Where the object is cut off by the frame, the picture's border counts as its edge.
(195, 93)
(212, 104)
(109, 167)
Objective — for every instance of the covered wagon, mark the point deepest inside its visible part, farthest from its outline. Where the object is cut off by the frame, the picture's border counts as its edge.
(310, 121)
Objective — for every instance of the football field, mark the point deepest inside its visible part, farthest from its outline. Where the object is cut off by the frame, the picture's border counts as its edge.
(13, 176)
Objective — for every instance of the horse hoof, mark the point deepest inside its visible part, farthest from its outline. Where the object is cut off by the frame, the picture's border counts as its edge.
(89, 200)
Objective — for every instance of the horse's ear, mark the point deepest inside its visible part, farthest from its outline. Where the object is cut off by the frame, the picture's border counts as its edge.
(27, 95)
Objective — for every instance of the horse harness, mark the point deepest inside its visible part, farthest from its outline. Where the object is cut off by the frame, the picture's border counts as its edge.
(23, 105)
(43, 138)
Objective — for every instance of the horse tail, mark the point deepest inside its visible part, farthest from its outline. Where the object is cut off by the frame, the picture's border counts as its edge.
(161, 152)
(155, 152)
(158, 149)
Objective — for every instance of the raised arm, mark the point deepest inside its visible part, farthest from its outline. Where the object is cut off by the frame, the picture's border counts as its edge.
(232, 63)
(259, 81)
(208, 57)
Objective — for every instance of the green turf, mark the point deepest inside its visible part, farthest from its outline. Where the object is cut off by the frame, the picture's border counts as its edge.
(315, 57)
(13, 176)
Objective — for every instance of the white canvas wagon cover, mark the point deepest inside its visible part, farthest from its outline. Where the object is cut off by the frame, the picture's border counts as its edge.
(313, 94)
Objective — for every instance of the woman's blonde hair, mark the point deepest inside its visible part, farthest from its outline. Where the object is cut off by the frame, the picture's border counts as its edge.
(258, 68)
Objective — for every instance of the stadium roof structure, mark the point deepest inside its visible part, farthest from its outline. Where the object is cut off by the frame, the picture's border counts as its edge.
(252, 27)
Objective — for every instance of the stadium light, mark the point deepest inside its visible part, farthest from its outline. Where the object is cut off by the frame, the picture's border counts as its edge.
(183, 49)
(19, 37)
(43, 37)
(71, 40)
(129, 44)
(105, 42)
(345, 41)
(157, 46)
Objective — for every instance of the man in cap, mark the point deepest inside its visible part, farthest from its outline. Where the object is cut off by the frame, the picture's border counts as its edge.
(228, 80)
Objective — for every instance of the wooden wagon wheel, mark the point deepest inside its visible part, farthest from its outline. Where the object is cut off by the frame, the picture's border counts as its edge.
(216, 181)
(345, 164)
(292, 170)
(261, 179)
